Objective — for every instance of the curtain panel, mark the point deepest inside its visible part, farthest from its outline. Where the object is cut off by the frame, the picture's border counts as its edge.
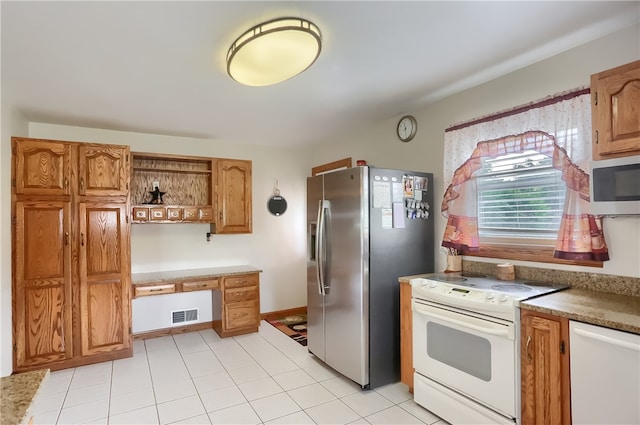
(558, 127)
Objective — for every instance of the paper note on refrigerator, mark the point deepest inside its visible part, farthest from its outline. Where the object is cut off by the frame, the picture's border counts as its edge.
(381, 194)
(398, 215)
(387, 218)
(397, 191)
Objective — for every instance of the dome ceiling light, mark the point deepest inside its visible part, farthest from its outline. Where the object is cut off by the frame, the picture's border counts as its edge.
(274, 51)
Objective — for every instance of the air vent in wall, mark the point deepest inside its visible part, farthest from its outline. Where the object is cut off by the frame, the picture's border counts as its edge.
(183, 316)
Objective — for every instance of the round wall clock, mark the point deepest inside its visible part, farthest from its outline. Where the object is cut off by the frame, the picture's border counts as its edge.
(407, 127)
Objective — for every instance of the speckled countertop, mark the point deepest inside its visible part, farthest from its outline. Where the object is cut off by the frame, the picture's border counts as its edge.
(171, 275)
(17, 393)
(607, 309)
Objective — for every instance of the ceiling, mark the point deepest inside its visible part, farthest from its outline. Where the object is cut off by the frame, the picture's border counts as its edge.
(159, 67)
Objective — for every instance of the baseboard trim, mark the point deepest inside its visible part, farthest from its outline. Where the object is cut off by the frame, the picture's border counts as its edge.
(279, 313)
(210, 325)
(173, 331)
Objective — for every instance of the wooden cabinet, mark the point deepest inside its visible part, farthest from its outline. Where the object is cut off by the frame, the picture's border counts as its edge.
(104, 284)
(233, 196)
(71, 245)
(615, 111)
(240, 305)
(196, 190)
(406, 335)
(238, 299)
(545, 387)
(42, 287)
(41, 167)
(103, 170)
(187, 183)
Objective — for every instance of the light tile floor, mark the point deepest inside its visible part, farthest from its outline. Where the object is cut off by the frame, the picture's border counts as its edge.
(199, 378)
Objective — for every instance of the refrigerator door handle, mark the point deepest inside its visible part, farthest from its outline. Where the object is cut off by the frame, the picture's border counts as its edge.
(319, 247)
(321, 271)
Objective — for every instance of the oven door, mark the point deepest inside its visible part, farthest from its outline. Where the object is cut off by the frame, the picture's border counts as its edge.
(471, 354)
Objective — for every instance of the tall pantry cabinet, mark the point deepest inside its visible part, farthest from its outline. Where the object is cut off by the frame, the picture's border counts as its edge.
(71, 253)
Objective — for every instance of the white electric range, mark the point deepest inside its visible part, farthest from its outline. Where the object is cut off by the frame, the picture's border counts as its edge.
(466, 345)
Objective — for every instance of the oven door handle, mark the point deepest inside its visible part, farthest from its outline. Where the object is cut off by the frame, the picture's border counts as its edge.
(503, 330)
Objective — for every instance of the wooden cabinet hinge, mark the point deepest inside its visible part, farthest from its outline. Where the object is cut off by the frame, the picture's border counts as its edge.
(13, 182)
(13, 220)
(126, 217)
(127, 158)
(597, 136)
(562, 347)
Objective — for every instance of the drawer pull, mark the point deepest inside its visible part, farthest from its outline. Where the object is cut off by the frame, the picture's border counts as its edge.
(156, 289)
(241, 314)
(241, 293)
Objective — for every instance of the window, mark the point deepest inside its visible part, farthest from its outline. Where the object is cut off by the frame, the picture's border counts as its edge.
(518, 189)
(520, 199)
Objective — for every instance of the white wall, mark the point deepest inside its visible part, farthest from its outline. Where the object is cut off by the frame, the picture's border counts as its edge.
(379, 145)
(12, 124)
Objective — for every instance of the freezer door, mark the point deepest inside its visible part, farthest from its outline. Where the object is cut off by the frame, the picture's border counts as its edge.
(315, 299)
(346, 277)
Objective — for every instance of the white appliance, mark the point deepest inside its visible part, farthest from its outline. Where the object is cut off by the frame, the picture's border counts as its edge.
(605, 375)
(466, 346)
(614, 187)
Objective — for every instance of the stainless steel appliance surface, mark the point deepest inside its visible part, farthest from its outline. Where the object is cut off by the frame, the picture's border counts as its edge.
(466, 345)
(366, 227)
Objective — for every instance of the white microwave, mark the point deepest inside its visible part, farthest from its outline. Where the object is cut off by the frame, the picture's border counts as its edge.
(615, 186)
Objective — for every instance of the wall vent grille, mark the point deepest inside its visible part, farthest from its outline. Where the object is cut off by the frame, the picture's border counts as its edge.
(183, 316)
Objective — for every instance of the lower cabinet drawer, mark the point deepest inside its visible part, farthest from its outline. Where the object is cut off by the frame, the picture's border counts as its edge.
(247, 293)
(200, 285)
(241, 280)
(142, 291)
(241, 315)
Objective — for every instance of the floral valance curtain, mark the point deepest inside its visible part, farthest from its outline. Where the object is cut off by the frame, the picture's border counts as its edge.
(558, 127)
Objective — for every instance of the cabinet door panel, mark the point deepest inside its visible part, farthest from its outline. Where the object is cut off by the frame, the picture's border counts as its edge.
(42, 284)
(616, 111)
(544, 370)
(42, 167)
(105, 317)
(233, 193)
(103, 170)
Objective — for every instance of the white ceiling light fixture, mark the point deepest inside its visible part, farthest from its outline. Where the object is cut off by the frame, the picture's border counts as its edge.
(274, 51)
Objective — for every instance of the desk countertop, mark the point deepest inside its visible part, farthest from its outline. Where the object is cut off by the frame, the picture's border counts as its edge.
(206, 273)
(18, 391)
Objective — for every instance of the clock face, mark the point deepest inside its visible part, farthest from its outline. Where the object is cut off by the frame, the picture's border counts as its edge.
(407, 127)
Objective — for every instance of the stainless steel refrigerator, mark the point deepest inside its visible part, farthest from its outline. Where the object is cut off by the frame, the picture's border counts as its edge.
(365, 228)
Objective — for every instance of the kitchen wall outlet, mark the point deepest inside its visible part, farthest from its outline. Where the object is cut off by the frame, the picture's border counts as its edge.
(155, 185)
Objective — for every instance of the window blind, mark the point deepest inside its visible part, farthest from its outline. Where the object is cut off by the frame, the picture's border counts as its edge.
(519, 196)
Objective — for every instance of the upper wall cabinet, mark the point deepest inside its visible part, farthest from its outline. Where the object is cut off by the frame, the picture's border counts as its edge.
(192, 190)
(233, 194)
(42, 167)
(103, 170)
(615, 111)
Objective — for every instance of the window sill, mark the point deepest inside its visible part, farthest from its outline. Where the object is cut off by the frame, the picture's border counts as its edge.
(531, 253)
